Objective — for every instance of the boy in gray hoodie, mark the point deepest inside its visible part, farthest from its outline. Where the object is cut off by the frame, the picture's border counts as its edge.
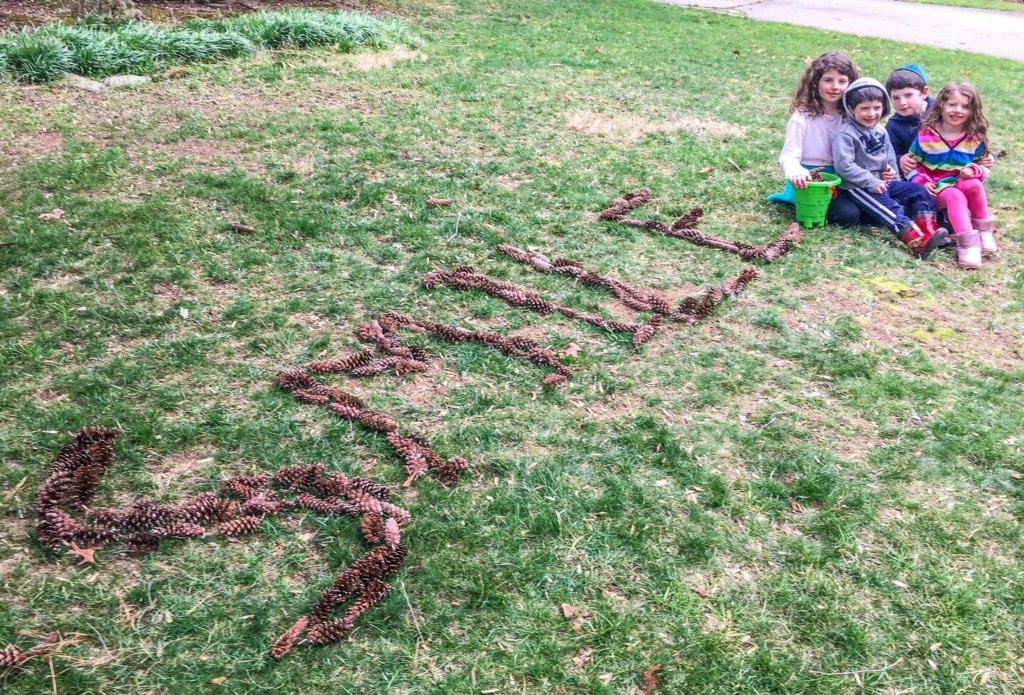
(865, 160)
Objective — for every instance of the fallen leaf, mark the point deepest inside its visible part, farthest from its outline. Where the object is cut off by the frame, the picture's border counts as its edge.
(568, 611)
(243, 228)
(85, 553)
(713, 623)
(55, 214)
(219, 680)
(183, 312)
(902, 585)
(605, 678)
(439, 202)
(651, 679)
(701, 591)
(584, 655)
(796, 507)
(572, 350)
(707, 170)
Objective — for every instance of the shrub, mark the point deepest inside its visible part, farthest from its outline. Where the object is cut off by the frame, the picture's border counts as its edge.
(96, 48)
(93, 53)
(37, 58)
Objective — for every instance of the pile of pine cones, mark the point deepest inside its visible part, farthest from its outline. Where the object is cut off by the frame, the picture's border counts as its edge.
(67, 518)
(468, 278)
(690, 310)
(686, 228)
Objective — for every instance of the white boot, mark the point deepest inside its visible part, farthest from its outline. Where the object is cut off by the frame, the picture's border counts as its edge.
(968, 249)
(986, 231)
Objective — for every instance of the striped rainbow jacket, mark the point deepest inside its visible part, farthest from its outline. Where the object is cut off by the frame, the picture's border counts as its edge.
(940, 161)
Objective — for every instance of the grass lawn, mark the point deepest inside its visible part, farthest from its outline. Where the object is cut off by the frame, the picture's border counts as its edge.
(1002, 5)
(817, 491)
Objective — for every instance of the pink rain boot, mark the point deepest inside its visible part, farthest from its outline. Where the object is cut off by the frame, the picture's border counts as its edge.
(968, 249)
(989, 248)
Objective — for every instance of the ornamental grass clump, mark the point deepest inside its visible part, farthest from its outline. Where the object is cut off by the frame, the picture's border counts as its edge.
(98, 49)
(32, 57)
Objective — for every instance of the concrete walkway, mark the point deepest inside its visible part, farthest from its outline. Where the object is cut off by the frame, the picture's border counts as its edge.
(979, 31)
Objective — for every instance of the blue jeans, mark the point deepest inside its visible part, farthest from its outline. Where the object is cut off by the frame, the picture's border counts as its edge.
(895, 208)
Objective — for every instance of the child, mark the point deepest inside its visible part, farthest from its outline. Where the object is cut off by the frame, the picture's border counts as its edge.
(908, 90)
(948, 150)
(815, 117)
(865, 160)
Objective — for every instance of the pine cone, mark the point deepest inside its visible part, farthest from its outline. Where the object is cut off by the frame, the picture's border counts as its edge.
(208, 508)
(370, 487)
(241, 526)
(239, 488)
(334, 484)
(330, 507)
(300, 477)
(147, 514)
(401, 516)
(286, 642)
(141, 542)
(392, 534)
(346, 411)
(344, 364)
(11, 656)
(179, 529)
(372, 526)
(371, 419)
(365, 502)
(327, 633)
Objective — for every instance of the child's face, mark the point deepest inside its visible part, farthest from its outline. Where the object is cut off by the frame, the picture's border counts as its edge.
(868, 113)
(832, 86)
(956, 109)
(909, 101)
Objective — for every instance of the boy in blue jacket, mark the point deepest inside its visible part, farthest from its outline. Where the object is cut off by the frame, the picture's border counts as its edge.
(907, 86)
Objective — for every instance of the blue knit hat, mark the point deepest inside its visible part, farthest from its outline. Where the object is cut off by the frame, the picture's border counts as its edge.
(916, 69)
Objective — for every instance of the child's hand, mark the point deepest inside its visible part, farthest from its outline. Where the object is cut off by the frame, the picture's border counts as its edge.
(882, 187)
(970, 172)
(889, 174)
(987, 160)
(907, 164)
(930, 187)
(800, 180)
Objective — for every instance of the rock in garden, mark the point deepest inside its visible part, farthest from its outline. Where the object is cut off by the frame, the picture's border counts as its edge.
(118, 81)
(84, 83)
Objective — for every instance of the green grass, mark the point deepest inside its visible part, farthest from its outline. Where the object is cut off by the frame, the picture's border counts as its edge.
(97, 49)
(879, 395)
(1001, 5)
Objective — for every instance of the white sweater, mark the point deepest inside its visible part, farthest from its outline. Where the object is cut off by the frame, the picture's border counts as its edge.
(808, 141)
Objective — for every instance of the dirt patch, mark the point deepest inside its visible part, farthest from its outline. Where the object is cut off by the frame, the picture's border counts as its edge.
(890, 315)
(630, 128)
(165, 294)
(181, 470)
(364, 62)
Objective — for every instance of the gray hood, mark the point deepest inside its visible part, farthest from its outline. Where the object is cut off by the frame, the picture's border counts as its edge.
(860, 84)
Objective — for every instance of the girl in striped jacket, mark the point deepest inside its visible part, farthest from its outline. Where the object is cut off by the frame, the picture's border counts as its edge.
(948, 149)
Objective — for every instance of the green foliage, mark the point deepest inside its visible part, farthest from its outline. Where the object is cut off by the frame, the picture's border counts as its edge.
(33, 57)
(803, 495)
(96, 47)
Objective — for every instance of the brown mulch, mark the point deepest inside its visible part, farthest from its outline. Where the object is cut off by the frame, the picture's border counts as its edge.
(15, 14)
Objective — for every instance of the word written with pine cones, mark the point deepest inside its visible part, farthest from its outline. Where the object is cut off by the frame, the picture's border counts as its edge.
(67, 518)
(686, 228)
(690, 310)
(468, 278)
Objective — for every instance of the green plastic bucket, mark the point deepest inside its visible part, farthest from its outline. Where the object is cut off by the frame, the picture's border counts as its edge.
(812, 202)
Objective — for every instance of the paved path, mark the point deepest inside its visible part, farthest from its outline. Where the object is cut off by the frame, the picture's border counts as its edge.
(979, 31)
